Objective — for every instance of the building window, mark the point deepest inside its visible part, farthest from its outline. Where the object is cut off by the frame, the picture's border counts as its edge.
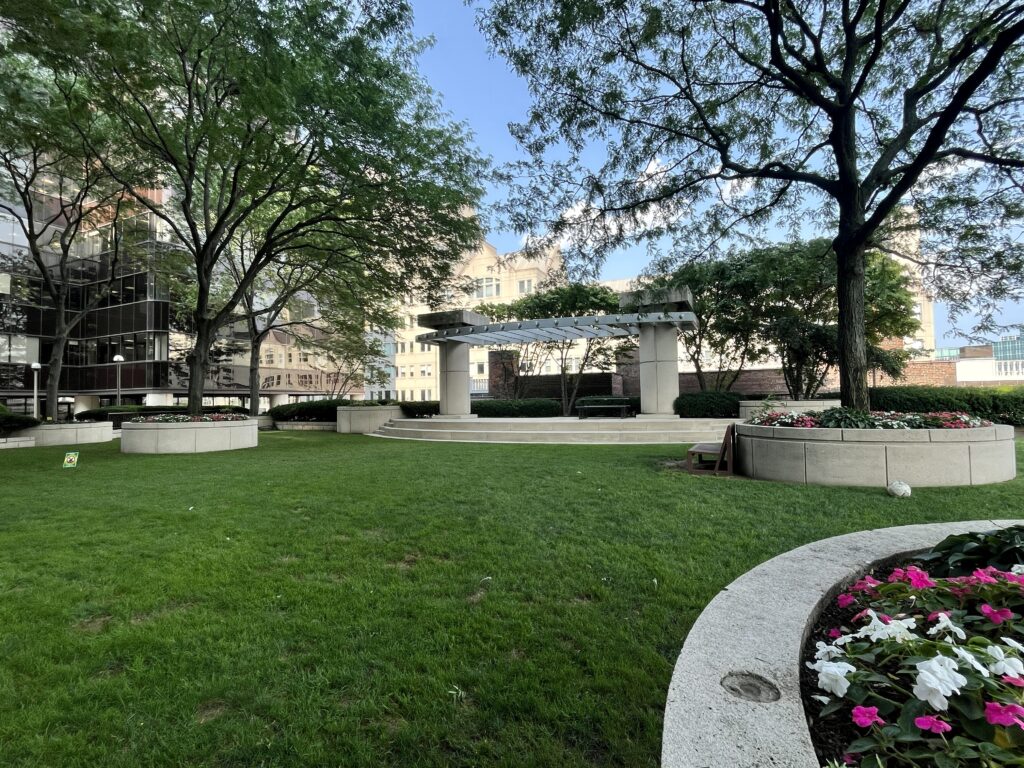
(481, 369)
(525, 286)
(401, 370)
(303, 357)
(289, 356)
(424, 347)
(485, 287)
(268, 358)
(401, 347)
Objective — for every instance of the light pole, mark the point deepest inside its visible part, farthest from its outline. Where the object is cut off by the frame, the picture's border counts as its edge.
(35, 390)
(118, 359)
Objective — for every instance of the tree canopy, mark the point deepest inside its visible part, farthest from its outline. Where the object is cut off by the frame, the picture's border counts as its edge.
(725, 119)
(293, 122)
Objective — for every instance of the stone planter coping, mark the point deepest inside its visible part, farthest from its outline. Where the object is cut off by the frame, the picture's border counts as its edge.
(188, 437)
(17, 442)
(75, 433)
(734, 699)
(305, 426)
(749, 407)
(877, 457)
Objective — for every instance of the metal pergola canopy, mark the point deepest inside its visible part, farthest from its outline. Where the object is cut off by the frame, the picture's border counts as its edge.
(558, 328)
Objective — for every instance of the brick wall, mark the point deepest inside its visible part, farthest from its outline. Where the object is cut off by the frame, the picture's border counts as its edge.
(502, 365)
(929, 373)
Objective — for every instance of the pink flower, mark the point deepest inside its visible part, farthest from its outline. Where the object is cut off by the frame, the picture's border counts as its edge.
(1017, 681)
(983, 577)
(919, 579)
(865, 717)
(851, 758)
(960, 591)
(885, 618)
(835, 633)
(845, 600)
(932, 724)
(867, 584)
(860, 615)
(898, 574)
(935, 615)
(996, 615)
(1004, 714)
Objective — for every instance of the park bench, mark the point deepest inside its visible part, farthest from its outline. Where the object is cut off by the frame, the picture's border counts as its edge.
(712, 458)
(621, 408)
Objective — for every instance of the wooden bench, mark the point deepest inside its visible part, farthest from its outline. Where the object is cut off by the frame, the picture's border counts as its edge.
(712, 458)
(623, 409)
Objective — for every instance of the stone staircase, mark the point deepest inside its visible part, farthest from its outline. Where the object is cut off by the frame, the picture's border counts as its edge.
(557, 430)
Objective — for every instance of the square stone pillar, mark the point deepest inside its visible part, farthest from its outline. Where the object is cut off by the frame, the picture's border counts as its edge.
(659, 371)
(453, 362)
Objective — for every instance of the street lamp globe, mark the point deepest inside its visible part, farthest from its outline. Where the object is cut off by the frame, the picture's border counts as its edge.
(118, 358)
(36, 366)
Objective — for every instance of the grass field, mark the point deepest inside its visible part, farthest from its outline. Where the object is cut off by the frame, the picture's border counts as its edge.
(329, 600)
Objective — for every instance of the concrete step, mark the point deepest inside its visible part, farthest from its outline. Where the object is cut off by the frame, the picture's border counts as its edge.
(650, 437)
(564, 425)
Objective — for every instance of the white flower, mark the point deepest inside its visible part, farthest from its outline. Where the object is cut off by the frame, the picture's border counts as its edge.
(1017, 570)
(896, 629)
(969, 658)
(1004, 665)
(937, 678)
(947, 626)
(822, 699)
(1009, 641)
(827, 652)
(832, 676)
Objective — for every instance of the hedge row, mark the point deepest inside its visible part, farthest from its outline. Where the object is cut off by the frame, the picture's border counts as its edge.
(12, 422)
(318, 410)
(491, 409)
(998, 405)
(708, 405)
(104, 413)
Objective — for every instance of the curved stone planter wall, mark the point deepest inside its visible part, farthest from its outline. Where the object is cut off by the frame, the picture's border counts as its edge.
(71, 434)
(188, 437)
(734, 699)
(364, 419)
(305, 426)
(876, 457)
(749, 407)
(17, 442)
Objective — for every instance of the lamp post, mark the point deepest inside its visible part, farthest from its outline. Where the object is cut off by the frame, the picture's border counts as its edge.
(118, 359)
(35, 390)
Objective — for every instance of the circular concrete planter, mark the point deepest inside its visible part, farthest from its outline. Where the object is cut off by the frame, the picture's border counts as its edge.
(749, 407)
(71, 434)
(876, 457)
(188, 437)
(364, 419)
(734, 699)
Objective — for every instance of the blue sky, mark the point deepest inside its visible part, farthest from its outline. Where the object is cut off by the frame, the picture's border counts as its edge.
(481, 91)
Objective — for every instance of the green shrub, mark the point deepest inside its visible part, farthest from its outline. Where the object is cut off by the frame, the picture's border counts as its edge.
(632, 402)
(104, 413)
(516, 409)
(421, 409)
(708, 405)
(845, 418)
(312, 410)
(489, 409)
(1004, 406)
(12, 422)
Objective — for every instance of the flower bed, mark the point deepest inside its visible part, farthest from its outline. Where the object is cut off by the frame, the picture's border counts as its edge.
(845, 418)
(918, 669)
(184, 418)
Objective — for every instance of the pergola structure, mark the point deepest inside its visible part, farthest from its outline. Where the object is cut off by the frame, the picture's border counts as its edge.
(654, 316)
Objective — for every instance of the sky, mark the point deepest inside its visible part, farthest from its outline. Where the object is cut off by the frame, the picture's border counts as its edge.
(480, 90)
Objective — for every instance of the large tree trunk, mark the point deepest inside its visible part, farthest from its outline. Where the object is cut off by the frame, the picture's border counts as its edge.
(853, 349)
(198, 367)
(255, 346)
(53, 369)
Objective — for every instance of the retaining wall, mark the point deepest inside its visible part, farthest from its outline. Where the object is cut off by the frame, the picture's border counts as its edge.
(188, 437)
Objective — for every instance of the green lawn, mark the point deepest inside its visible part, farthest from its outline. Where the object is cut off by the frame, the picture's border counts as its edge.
(329, 600)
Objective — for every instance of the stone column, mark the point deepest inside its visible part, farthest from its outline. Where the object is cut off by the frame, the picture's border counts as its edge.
(659, 371)
(454, 378)
(453, 363)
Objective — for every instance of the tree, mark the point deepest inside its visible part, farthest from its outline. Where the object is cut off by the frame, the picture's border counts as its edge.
(62, 201)
(723, 117)
(799, 306)
(572, 356)
(290, 120)
(725, 300)
(347, 358)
